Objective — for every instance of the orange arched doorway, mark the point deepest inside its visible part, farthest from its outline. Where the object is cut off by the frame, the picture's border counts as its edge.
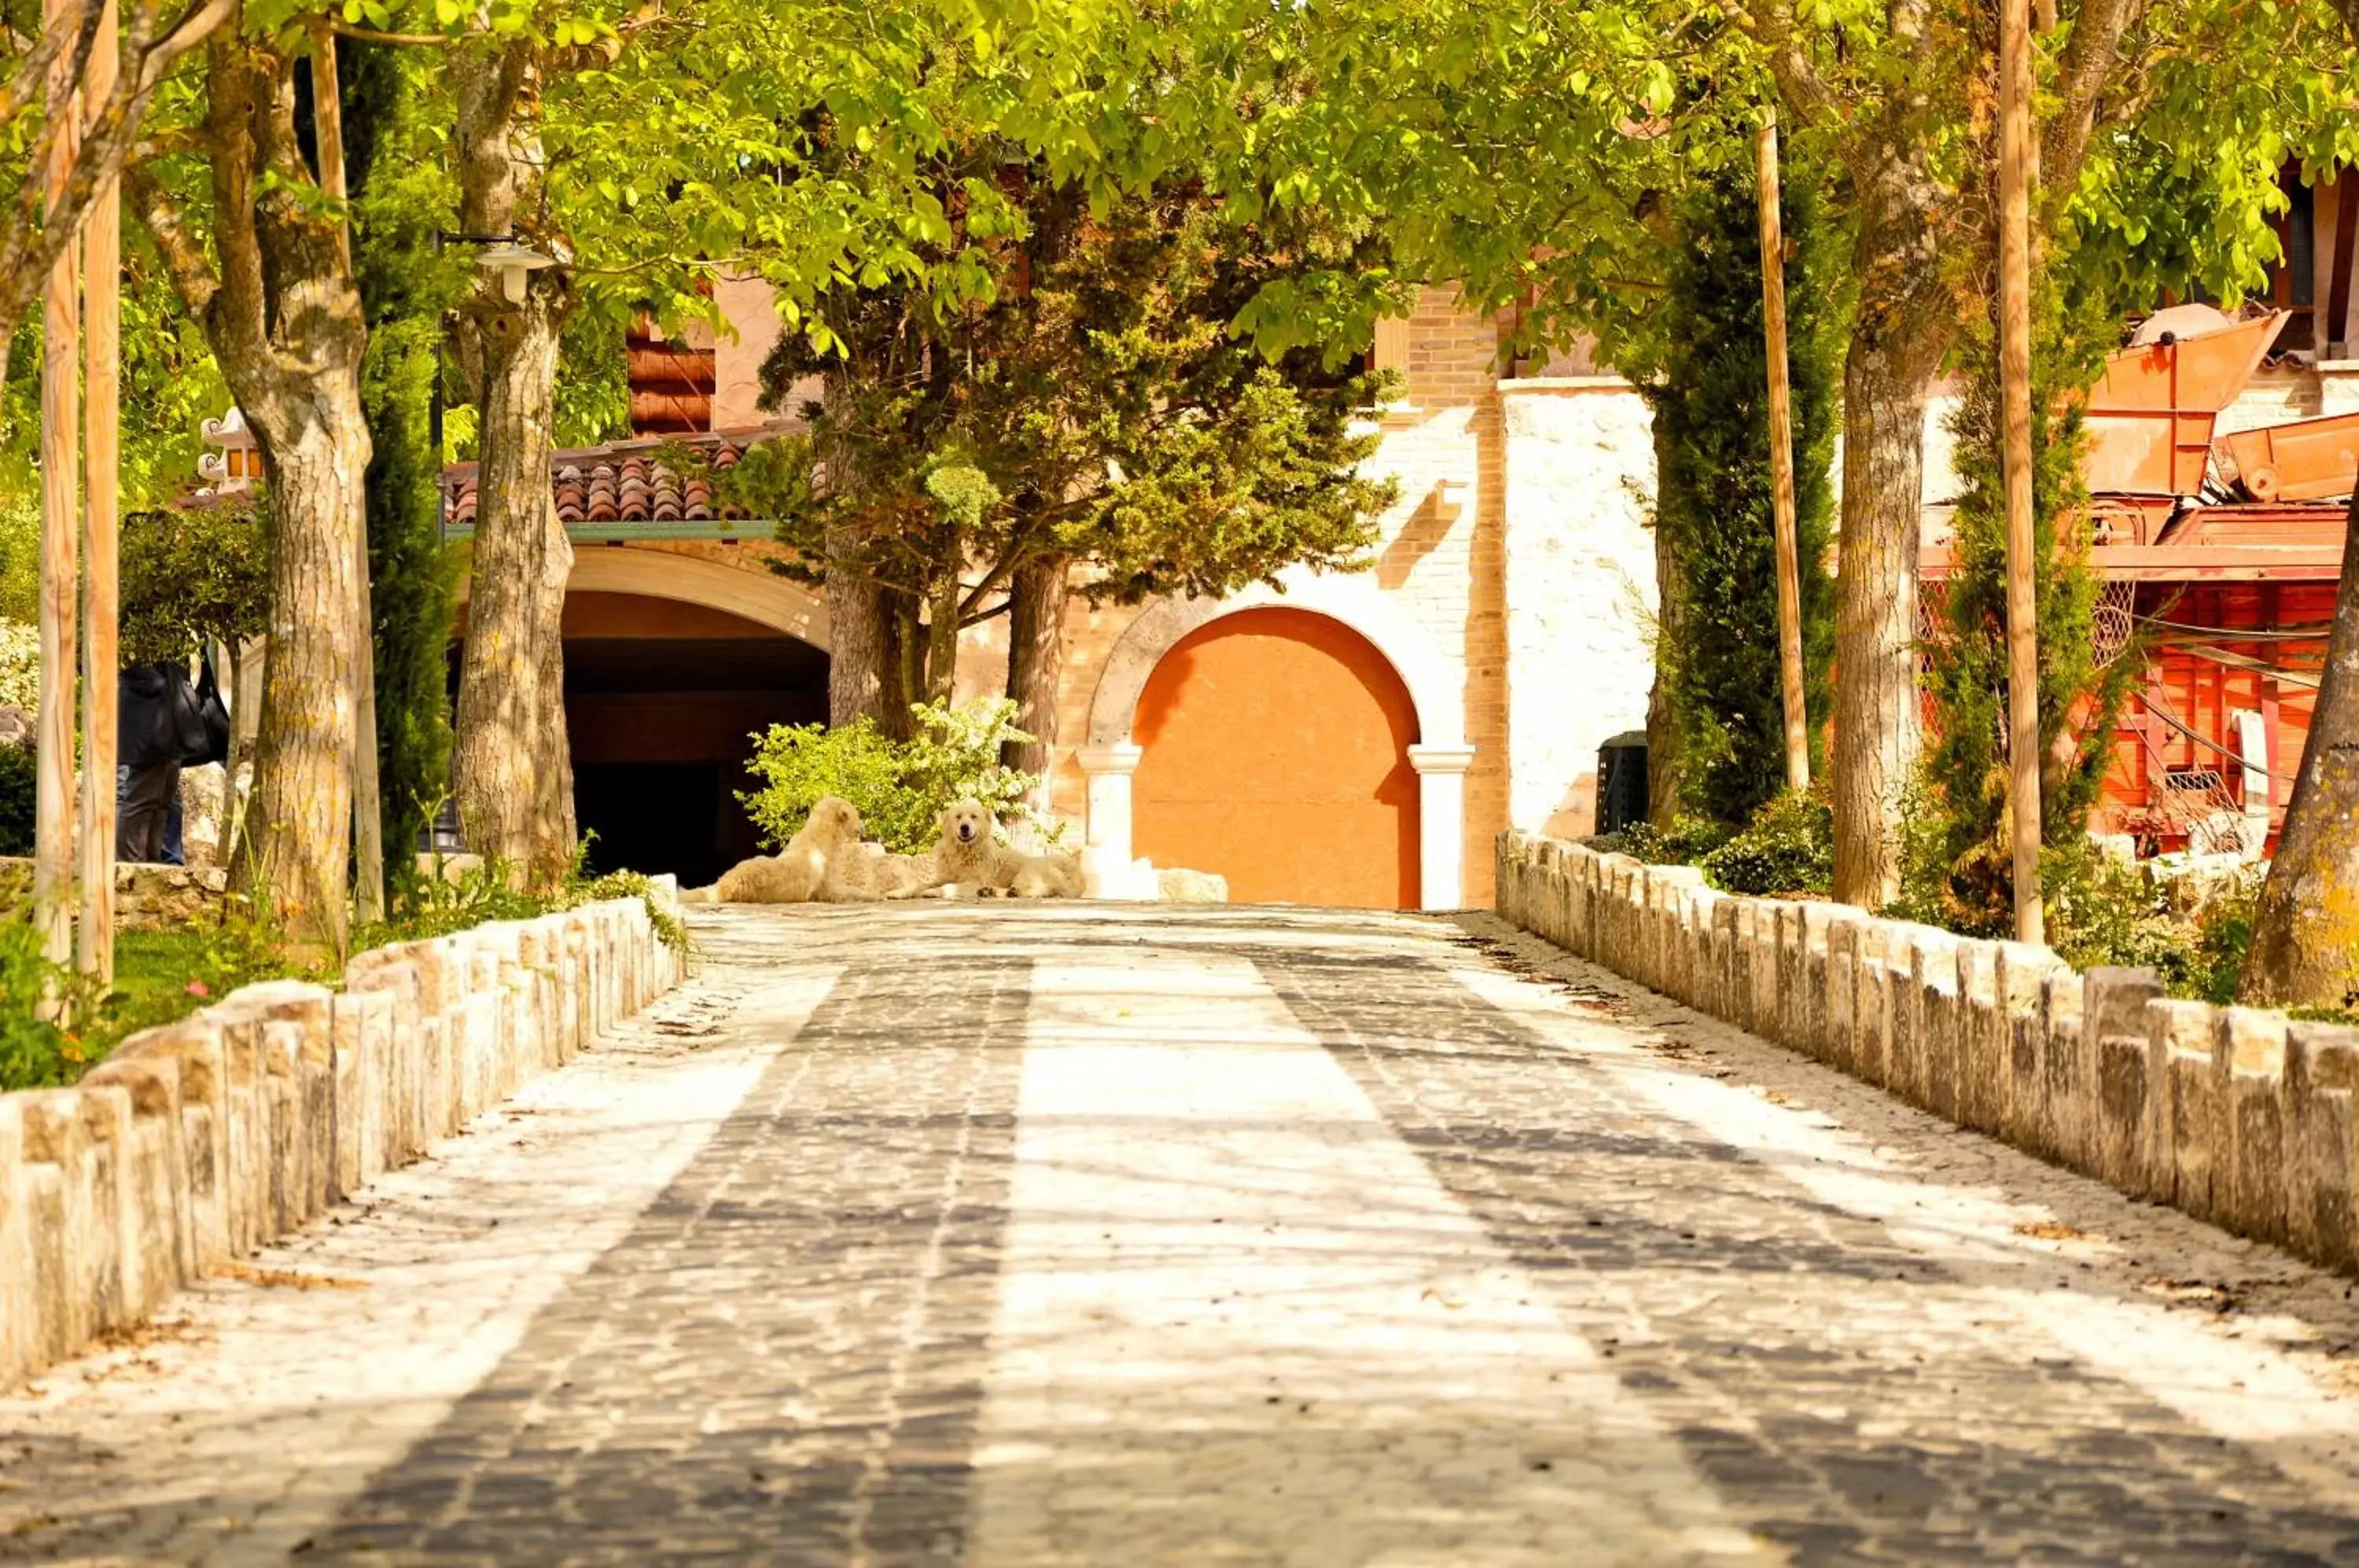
(1276, 752)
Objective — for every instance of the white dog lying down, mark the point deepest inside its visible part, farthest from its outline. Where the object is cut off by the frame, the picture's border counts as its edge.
(826, 863)
(966, 856)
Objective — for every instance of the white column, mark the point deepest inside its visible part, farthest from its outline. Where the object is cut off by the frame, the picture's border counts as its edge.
(1107, 831)
(1441, 822)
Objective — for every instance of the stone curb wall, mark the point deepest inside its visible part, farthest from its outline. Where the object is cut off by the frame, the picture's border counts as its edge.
(204, 1140)
(2233, 1114)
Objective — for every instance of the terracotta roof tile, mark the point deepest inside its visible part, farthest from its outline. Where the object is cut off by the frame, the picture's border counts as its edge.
(623, 482)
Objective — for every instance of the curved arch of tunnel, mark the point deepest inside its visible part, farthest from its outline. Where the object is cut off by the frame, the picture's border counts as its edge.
(662, 697)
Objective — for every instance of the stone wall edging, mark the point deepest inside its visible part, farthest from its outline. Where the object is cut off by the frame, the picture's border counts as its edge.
(200, 1142)
(2233, 1114)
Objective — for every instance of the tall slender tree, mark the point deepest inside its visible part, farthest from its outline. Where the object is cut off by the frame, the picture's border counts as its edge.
(281, 308)
(398, 195)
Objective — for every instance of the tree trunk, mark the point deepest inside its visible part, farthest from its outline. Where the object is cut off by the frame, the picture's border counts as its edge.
(1886, 383)
(1036, 595)
(1663, 738)
(298, 837)
(2305, 947)
(283, 314)
(505, 674)
(943, 639)
(863, 664)
(556, 832)
(910, 644)
(514, 776)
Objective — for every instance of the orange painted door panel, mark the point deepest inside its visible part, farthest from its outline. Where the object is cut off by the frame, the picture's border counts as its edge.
(1276, 752)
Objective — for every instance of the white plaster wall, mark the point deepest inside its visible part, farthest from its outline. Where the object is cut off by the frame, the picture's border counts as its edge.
(1579, 591)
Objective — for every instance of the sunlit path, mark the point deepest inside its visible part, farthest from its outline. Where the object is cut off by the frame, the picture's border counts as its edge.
(1063, 1235)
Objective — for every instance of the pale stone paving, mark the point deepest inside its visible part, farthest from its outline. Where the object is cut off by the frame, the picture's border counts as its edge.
(1085, 1235)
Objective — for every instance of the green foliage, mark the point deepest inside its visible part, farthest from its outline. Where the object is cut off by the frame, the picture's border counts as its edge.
(1714, 518)
(21, 665)
(413, 575)
(193, 576)
(20, 559)
(1789, 847)
(1098, 407)
(34, 1053)
(1967, 882)
(2101, 910)
(899, 787)
(18, 787)
(1685, 843)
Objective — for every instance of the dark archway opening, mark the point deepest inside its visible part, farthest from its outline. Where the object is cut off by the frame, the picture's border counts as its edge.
(661, 699)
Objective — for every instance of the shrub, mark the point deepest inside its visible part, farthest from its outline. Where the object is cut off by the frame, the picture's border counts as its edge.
(1789, 847)
(16, 797)
(1687, 841)
(899, 787)
(20, 666)
(34, 1053)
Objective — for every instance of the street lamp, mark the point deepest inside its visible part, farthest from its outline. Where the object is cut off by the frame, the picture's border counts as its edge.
(515, 262)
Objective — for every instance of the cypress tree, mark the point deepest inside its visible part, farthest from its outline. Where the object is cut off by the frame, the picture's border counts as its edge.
(397, 204)
(1960, 870)
(1713, 515)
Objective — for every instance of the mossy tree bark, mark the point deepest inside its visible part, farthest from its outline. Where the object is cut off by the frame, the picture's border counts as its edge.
(514, 780)
(283, 315)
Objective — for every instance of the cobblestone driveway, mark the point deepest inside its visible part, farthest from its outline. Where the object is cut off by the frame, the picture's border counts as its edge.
(1058, 1235)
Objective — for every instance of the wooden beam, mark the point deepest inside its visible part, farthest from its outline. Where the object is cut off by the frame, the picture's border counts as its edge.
(53, 857)
(100, 598)
(2346, 239)
(1781, 459)
(2016, 176)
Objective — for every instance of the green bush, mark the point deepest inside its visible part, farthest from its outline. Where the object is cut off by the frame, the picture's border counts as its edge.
(899, 787)
(34, 1053)
(1688, 840)
(1789, 847)
(17, 800)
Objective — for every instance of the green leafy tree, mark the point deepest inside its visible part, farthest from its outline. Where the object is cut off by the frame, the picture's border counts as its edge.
(1713, 516)
(1097, 412)
(399, 194)
(192, 577)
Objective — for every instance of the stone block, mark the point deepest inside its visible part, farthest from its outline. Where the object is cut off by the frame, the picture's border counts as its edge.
(2152, 1172)
(1871, 1043)
(2252, 1200)
(19, 1304)
(2321, 1070)
(200, 1058)
(2019, 990)
(74, 1140)
(2186, 1036)
(2114, 1019)
(1979, 1069)
(2067, 1074)
(1923, 995)
(151, 1177)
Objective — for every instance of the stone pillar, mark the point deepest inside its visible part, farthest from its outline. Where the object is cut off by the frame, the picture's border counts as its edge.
(1108, 769)
(2338, 386)
(1441, 822)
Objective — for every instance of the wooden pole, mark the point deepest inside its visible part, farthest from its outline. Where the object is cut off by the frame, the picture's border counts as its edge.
(1781, 461)
(101, 600)
(368, 817)
(53, 857)
(2015, 178)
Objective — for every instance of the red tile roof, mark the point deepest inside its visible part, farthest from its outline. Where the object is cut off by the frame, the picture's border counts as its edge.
(622, 481)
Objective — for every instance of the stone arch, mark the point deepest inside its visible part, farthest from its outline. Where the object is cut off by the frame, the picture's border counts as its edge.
(759, 595)
(1436, 686)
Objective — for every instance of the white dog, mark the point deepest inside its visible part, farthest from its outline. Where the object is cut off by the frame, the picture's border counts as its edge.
(966, 856)
(824, 863)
